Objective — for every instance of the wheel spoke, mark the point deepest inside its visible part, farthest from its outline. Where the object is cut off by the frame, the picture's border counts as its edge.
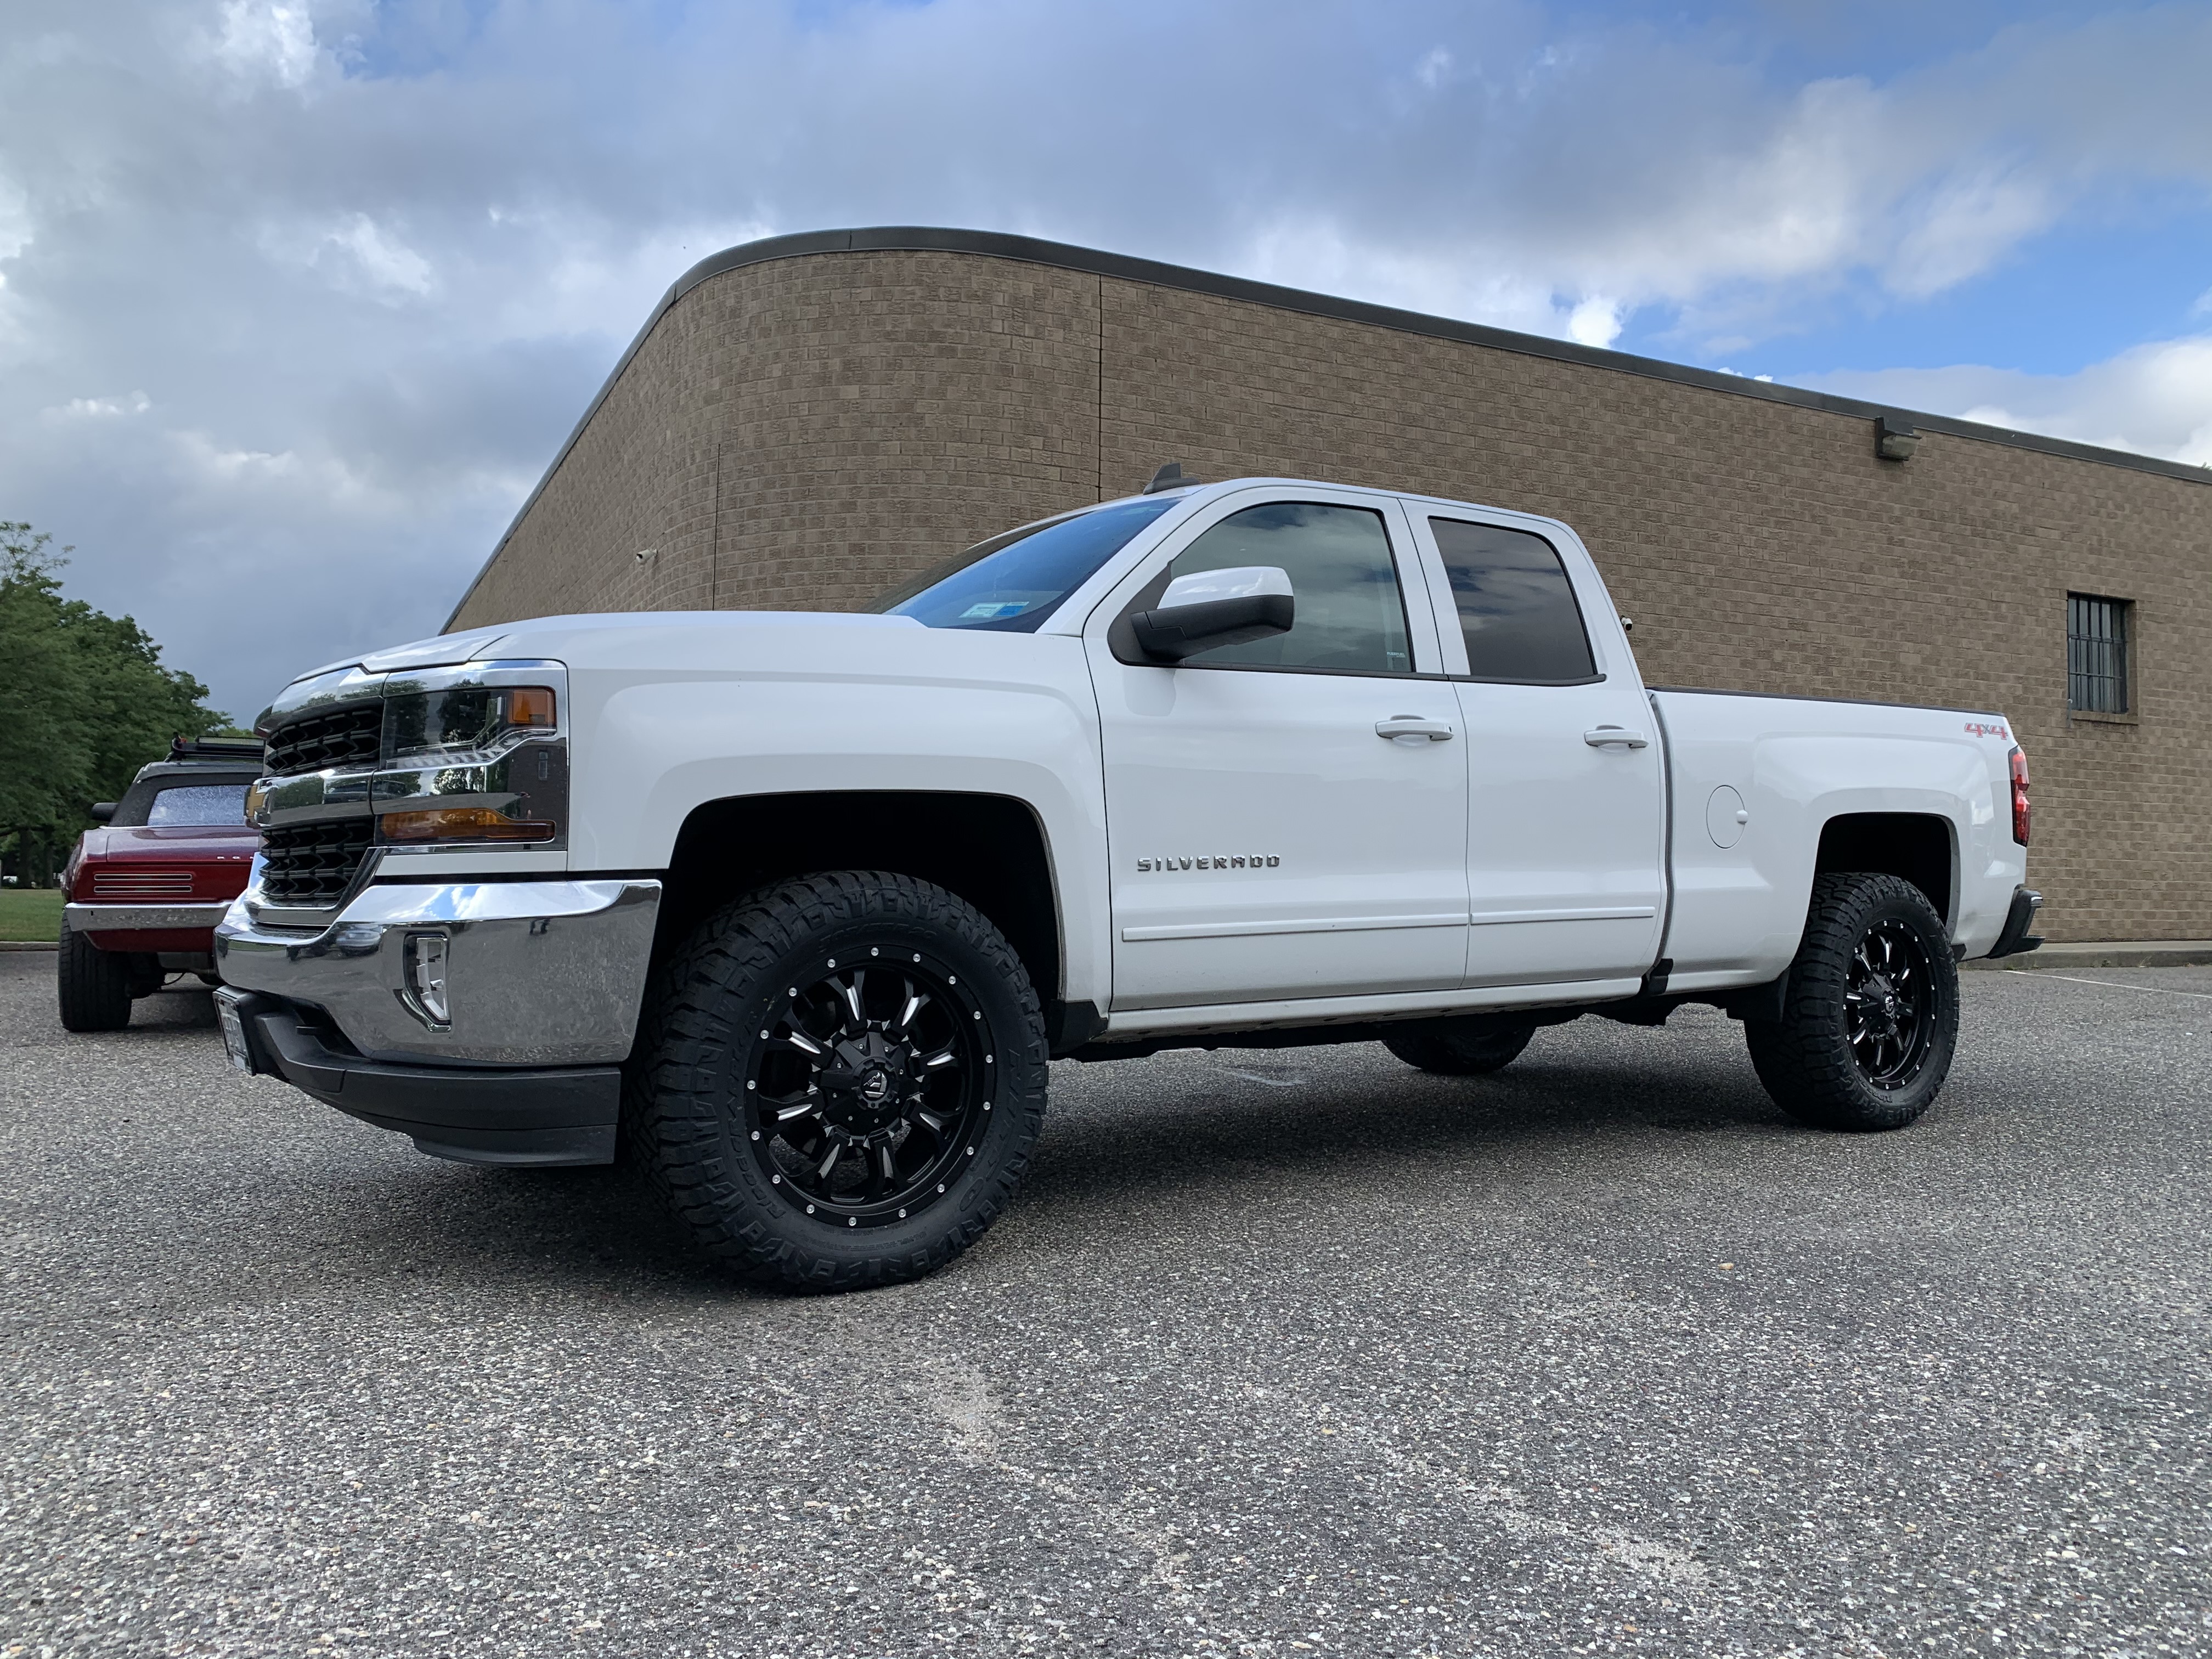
(851, 992)
(785, 1114)
(798, 1040)
(916, 1002)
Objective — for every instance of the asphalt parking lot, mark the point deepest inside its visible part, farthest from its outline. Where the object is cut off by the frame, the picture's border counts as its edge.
(1287, 1353)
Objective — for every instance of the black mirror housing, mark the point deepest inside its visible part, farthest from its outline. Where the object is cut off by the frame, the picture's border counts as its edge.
(103, 811)
(1174, 632)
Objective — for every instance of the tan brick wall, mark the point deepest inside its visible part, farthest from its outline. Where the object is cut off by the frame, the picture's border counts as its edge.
(804, 433)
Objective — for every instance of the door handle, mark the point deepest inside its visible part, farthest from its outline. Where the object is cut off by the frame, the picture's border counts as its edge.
(1606, 736)
(1414, 725)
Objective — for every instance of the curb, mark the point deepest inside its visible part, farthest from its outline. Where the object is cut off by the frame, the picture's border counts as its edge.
(2147, 953)
(29, 945)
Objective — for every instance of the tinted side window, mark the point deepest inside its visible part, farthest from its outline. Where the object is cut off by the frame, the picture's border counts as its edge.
(1516, 608)
(1350, 615)
(148, 802)
(197, 804)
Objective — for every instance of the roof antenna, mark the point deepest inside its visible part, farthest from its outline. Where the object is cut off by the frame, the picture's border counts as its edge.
(1170, 476)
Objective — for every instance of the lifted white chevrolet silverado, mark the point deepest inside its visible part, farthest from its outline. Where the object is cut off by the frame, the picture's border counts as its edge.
(796, 908)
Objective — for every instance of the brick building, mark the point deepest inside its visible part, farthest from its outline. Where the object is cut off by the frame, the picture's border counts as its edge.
(807, 420)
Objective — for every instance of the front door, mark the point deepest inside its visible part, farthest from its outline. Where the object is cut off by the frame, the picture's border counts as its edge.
(1566, 809)
(1287, 819)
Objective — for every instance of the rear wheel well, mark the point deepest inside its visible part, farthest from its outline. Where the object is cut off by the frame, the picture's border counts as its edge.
(1913, 845)
(988, 849)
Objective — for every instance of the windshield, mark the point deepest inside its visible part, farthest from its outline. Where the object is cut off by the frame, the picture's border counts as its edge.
(1011, 583)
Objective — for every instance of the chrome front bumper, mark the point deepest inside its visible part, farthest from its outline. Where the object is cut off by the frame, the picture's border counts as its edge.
(141, 918)
(521, 973)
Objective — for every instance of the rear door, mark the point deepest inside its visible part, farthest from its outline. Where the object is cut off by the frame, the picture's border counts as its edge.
(1567, 876)
(1270, 839)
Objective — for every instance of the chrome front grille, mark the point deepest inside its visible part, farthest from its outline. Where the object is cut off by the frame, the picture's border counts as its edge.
(336, 736)
(311, 865)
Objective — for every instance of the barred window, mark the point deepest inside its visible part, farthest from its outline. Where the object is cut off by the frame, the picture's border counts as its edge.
(2097, 654)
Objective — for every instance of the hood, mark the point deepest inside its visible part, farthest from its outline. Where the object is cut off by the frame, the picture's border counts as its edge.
(434, 653)
(555, 636)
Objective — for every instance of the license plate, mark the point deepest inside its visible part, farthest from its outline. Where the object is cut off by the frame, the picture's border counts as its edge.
(234, 1029)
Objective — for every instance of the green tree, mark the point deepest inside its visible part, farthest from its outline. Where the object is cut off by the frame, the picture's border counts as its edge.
(84, 702)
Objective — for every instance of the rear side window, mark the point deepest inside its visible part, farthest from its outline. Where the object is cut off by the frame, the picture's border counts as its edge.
(198, 806)
(176, 800)
(1516, 607)
(1351, 617)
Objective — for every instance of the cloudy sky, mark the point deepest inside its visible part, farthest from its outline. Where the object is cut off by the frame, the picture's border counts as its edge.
(297, 297)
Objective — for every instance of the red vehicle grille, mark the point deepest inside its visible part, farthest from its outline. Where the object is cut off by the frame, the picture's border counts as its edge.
(142, 884)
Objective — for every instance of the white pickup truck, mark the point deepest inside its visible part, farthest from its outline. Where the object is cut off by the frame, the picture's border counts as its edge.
(795, 907)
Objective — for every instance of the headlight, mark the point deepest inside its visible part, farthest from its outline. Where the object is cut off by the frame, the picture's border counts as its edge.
(466, 723)
(474, 753)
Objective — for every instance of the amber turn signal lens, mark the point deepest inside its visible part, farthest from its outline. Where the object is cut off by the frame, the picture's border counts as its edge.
(531, 706)
(461, 823)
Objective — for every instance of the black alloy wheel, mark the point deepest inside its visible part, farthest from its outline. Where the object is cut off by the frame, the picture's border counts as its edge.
(838, 1080)
(869, 1086)
(1869, 1008)
(1888, 984)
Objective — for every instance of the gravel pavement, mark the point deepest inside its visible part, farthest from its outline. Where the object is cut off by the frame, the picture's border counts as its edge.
(1299, 1352)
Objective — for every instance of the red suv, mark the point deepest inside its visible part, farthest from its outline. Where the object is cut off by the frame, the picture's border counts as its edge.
(146, 891)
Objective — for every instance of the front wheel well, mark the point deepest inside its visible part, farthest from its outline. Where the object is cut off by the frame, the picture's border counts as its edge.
(988, 849)
(1916, 847)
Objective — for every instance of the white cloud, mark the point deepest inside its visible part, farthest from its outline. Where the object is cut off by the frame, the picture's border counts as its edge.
(97, 409)
(1967, 225)
(2155, 399)
(384, 260)
(1594, 322)
(266, 41)
(15, 227)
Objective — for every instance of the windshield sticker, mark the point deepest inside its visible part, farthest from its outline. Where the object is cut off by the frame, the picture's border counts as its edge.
(990, 611)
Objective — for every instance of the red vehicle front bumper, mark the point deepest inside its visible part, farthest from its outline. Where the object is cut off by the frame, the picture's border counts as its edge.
(182, 929)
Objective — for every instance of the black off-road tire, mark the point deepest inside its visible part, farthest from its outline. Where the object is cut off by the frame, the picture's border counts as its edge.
(1808, 1061)
(1470, 1047)
(688, 1120)
(93, 988)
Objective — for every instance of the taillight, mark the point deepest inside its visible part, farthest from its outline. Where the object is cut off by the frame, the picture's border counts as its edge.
(2020, 809)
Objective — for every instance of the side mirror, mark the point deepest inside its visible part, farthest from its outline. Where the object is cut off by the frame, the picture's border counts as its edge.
(103, 811)
(1216, 608)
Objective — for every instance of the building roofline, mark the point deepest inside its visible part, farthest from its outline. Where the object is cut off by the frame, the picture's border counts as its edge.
(911, 239)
